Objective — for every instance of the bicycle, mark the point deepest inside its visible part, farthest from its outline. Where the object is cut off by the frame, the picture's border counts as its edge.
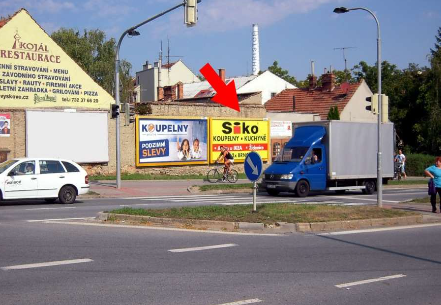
(216, 174)
(398, 170)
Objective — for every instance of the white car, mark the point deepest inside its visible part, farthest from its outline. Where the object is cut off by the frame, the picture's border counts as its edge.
(45, 178)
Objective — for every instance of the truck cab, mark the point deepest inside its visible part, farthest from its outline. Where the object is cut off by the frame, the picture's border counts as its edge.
(301, 166)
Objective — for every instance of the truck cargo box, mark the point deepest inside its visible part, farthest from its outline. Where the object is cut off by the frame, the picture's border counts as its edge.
(352, 148)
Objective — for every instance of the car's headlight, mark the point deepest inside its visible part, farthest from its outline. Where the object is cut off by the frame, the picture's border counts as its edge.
(286, 177)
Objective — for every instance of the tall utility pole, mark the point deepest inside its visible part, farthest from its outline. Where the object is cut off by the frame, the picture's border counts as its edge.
(344, 56)
(190, 19)
(341, 10)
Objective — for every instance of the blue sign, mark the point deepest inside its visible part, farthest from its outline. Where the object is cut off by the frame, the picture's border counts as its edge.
(253, 166)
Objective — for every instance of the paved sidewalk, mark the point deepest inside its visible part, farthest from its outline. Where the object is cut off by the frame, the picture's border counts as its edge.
(141, 188)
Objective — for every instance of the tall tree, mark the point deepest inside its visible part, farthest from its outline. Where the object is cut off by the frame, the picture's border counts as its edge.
(96, 55)
(280, 72)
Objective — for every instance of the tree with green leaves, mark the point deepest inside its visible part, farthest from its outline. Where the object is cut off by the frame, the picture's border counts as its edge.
(280, 72)
(96, 56)
(333, 113)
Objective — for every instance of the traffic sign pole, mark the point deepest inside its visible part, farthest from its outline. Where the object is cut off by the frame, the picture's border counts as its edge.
(253, 167)
(254, 197)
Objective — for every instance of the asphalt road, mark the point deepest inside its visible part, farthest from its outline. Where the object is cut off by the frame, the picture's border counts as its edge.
(39, 209)
(124, 265)
(76, 262)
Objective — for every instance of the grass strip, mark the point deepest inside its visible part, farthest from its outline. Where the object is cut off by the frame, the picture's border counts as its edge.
(225, 186)
(270, 213)
(154, 177)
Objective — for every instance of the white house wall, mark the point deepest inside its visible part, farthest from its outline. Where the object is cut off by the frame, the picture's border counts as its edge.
(355, 110)
(266, 83)
(148, 79)
(292, 116)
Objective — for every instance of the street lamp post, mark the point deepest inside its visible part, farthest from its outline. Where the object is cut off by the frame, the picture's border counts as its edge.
(132, 32)
(341, 10)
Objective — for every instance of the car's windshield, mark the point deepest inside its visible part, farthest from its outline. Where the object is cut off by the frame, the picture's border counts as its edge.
(292, 154)
(5, 165)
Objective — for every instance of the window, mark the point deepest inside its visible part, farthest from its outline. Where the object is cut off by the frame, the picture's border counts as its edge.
(70, 167)
(24, 168)
(276, 149)
(50, 167)
(316, 155)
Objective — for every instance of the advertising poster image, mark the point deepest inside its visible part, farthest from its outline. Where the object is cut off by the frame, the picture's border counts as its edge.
(171, 141)
(5, 125)
(239, 136)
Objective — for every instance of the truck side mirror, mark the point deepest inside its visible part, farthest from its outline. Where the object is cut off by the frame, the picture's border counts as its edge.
(11, 173)
(308, 161)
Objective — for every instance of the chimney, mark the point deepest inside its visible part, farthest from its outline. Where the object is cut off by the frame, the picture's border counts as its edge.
(328, 81)
(146, 66)
(222, 74)
(160, 93)
(180, 90)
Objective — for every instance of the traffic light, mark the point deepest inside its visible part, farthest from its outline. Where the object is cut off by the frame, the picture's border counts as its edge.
(374, 103)
(129, 112)
(115, 111)
(191, 12)
(384, 108)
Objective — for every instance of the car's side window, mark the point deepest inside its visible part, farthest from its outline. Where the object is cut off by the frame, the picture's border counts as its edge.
(50, 167)
(70, 167)
(24, 168)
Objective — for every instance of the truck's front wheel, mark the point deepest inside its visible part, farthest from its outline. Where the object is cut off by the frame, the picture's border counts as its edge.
(370, 187)
(302, 188)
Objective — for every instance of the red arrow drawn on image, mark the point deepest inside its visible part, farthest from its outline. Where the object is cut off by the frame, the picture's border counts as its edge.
(225, 94)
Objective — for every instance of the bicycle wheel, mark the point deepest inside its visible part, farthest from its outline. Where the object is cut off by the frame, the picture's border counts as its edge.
(232, 176)
(213, 175)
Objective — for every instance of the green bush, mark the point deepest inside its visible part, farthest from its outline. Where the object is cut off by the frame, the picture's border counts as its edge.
(417, 163)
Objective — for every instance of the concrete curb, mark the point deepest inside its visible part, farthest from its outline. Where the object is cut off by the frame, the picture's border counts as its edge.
(278, 227)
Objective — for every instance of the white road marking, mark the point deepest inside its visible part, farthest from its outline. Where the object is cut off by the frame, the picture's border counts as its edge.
(36, 209)
(159, 228)
(382, 229)
(385, 278)
(202, 248)
(59, 219)
(48, 264)
(250, 301)
(361, 198)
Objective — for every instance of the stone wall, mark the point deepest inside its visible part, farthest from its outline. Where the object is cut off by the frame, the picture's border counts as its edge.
(16, 143)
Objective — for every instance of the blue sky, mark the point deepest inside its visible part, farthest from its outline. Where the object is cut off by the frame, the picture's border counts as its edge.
(293, 32)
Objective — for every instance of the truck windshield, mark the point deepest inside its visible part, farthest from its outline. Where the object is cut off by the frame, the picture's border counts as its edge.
(292, 154)
(5, 165)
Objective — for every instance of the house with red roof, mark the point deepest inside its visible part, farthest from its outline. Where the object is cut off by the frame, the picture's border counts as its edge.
(313, 104)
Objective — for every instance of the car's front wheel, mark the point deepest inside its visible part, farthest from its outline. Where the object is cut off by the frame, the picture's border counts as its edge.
(67, 194)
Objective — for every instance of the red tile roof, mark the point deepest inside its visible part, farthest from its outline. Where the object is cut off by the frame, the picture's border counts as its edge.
(169, 65)
(315, 101)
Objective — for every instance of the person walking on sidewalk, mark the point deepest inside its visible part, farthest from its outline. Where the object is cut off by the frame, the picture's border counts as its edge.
(434, 172)
(401, 159)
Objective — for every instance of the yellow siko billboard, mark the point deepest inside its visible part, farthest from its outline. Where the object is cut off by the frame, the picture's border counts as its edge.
(240, 136)
(36, 73)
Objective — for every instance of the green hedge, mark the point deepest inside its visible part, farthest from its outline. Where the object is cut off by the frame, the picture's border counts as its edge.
(417, 163)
